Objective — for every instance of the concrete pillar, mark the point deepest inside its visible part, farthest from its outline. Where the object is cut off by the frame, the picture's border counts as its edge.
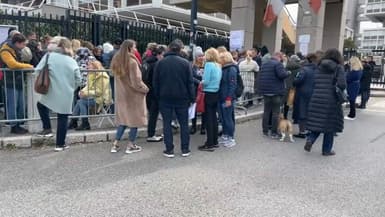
(272, 36)
(258, 22)
(310, 25)
(242, 19)
(334, 26)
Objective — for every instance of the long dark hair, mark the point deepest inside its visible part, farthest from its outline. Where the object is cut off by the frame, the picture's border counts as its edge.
(335, 55)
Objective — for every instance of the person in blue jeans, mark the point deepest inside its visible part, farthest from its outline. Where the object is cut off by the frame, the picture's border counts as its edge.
(10, 58)
(353, 79)
(173, 86)
(130, 96)
(325, 114)
(227, 99)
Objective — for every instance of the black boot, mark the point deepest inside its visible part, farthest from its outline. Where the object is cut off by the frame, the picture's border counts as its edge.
(84, 126)
(73, 124)
(193, 130)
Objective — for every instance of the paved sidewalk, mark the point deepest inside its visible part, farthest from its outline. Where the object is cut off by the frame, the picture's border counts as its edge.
(259, 177)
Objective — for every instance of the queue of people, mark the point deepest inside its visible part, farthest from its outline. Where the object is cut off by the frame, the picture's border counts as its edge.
(165, 82)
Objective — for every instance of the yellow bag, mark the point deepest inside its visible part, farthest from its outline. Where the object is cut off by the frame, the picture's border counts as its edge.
(290, 97)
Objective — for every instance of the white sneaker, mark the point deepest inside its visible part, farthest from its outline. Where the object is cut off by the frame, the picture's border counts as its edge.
(59, 149)
(114, 149)
(223, 139)
(349, 118)
(155, 139)
(230, 143)
(133, 149)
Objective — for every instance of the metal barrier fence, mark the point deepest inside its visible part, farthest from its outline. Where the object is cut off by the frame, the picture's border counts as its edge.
(18, 100)
(250, 93)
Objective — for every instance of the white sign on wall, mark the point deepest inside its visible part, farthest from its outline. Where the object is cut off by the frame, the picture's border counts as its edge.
(237, 39)
(4, 32)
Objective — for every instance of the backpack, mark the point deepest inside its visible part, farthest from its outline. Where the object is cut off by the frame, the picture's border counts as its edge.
(240, 86)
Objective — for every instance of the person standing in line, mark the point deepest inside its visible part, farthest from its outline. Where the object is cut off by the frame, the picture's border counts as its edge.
(64, 74)
(197, 75)
(152, 102)
(303, 84)
(249, 72)
(130, 96)
(272, 87)
(325, 114)
(173, 86)
(227, 99)
(353, 79)
(293, 66)
(10, 57)
(365, 82)
(212, 76)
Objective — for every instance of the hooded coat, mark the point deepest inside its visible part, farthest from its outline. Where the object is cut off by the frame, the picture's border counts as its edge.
(325, 114)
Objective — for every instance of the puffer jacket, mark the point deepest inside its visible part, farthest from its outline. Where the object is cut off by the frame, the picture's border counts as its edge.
(325, 114)
(228, 82)
(98, 87)
(272, 78)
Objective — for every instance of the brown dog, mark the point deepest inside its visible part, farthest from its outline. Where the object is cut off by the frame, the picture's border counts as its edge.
(285, 127)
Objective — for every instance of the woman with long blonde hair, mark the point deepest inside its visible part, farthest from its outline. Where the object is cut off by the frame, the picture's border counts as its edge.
(96, 93)
(211, 81)
(130, 103)
(353, 79)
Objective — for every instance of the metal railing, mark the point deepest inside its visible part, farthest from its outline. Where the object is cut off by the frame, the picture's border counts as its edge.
(18, 100)
(250, 93)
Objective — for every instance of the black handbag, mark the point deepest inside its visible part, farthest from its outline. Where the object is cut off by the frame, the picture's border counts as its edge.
(341, 95)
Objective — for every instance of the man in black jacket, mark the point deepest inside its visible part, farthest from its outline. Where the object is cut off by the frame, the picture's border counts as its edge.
(272, 87)
(152, 102)
(173, 86)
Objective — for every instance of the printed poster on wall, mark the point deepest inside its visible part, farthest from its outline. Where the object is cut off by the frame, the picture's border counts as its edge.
(237, 39)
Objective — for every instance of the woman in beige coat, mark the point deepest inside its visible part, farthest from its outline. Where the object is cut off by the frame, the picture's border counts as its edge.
(131, 93)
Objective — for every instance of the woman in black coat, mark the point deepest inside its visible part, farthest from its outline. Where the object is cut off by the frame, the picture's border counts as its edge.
(325, 114)
(366, 80)
(303, 83)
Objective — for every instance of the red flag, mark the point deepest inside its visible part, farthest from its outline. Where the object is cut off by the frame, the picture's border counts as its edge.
(269, 17)
(315, 5)
(273, 9)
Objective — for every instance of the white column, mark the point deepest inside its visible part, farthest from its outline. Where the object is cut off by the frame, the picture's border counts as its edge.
(242, 19)
(310, 25)
(334, 26)
(272, 36)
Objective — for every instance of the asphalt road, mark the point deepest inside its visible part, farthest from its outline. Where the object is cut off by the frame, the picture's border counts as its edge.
(258, 177)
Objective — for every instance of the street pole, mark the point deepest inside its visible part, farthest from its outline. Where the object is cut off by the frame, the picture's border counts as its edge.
(193, 24)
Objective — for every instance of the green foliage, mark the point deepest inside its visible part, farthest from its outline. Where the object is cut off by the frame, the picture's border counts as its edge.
(349, 43)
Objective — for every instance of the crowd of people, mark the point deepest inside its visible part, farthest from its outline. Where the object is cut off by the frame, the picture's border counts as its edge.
(165, 81)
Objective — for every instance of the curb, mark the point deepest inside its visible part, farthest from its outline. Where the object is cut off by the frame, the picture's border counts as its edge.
(91, 136)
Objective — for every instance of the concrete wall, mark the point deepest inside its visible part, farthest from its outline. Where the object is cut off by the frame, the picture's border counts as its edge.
(243, 13)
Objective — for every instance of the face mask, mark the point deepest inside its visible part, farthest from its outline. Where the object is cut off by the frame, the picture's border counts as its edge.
(51, 46)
